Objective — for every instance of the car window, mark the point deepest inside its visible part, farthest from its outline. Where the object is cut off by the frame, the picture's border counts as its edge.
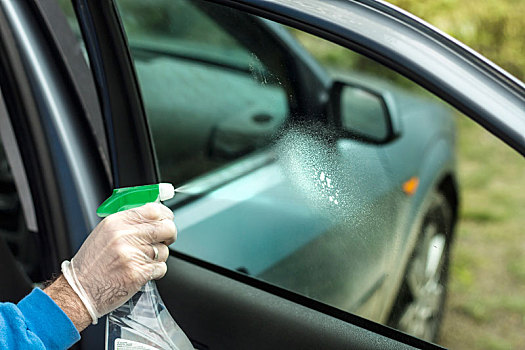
(282, 177)
(316, 169)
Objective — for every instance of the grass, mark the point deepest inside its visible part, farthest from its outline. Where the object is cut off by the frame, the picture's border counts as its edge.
(486, 305)
(516, 268)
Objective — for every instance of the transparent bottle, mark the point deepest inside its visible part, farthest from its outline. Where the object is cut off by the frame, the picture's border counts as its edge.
(143, 322)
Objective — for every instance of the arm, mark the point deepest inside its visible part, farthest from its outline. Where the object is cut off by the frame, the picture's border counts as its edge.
(36, 322)
(116, 259)
(64, 296)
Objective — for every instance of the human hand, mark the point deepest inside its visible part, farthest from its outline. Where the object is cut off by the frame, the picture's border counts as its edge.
(117, 258)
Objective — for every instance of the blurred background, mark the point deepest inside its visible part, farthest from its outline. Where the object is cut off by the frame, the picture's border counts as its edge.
(486, 301)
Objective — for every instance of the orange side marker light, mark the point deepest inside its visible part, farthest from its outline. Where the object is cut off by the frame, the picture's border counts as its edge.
(410, 186)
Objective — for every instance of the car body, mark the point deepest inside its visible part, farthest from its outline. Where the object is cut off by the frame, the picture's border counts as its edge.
(72, 132)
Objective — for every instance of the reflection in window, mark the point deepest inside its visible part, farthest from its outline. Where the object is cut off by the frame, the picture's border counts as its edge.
(284, 179)
(209, 99)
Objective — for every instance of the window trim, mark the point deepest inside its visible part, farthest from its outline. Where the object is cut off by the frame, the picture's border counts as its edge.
(14, 158)
(132, 162)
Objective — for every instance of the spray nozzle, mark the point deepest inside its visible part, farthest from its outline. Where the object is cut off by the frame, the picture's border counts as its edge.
(133, 197)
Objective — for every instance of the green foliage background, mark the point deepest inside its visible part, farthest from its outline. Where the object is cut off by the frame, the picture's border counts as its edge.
(492, 27)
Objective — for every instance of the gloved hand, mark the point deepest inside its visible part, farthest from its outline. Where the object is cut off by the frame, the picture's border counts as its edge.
(117, 258)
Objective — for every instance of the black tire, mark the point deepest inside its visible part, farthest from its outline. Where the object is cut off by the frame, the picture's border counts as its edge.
(419, 305)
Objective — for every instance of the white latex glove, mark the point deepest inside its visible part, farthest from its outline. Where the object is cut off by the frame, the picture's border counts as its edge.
(117, 258)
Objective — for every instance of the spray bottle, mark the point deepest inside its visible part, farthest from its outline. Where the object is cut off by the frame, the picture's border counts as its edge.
(143, 322)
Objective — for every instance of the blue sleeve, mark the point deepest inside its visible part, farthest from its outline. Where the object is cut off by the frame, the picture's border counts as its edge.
(36, 322)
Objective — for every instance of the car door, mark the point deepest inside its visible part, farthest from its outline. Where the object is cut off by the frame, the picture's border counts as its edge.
(222, 308)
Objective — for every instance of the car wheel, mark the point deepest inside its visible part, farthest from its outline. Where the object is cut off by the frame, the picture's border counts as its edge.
(418, 309)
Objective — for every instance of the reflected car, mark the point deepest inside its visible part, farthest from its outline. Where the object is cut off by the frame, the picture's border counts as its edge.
(275, 178)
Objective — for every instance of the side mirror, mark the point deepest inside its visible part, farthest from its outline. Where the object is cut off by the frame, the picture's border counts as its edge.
(362, 113)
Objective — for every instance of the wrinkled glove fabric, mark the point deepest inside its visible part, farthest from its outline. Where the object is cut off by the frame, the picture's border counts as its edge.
(117, 258)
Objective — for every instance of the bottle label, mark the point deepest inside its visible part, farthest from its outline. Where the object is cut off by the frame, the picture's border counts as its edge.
(123, 344)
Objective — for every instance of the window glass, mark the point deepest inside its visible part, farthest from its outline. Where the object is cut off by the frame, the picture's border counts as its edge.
(285, 180)
(179, 28)
(271, 186)
(209, 97)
